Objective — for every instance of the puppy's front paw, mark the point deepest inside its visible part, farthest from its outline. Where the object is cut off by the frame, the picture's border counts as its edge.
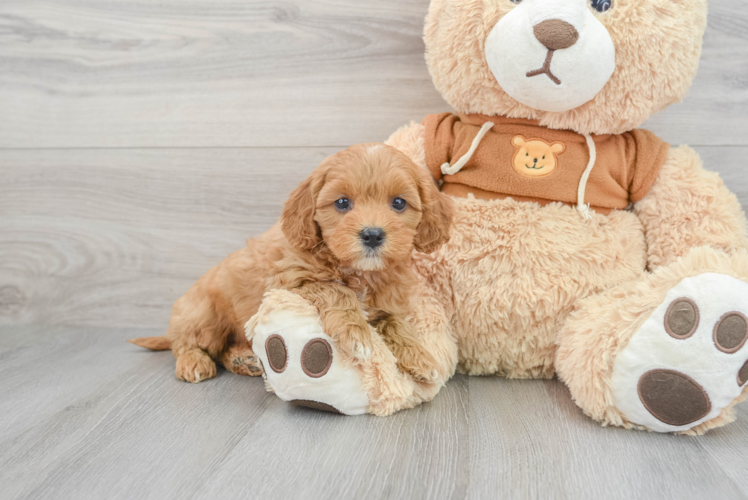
(242, 361)
(248, 366)
(195, 366)
(356, 343)
(419, 363)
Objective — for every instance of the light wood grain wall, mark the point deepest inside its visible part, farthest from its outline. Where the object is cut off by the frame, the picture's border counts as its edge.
(141, 142)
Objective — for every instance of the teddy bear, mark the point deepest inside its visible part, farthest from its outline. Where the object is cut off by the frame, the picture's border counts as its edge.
(583, 246)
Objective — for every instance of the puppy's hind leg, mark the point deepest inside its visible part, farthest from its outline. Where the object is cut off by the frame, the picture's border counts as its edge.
(194, 365)
(197, 333)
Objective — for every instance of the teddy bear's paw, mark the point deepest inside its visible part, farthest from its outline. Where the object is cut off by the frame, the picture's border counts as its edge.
(301, 362)
(689, 360)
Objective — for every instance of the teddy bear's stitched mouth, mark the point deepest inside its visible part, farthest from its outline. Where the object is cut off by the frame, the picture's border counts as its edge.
(534, 168)
(546, 69)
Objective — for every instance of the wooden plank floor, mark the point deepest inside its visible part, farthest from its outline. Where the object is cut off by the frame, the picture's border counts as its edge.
(141, 142)
(83, 415)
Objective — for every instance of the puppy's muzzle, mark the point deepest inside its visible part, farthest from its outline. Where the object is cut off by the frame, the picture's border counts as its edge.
(372, 237)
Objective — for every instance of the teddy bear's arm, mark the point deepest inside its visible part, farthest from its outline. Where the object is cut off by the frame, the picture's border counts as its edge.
(410, 140)
(689, 207)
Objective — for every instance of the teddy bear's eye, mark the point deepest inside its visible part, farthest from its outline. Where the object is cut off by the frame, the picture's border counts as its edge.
(602, 5)
(544, 157)
(527, 154)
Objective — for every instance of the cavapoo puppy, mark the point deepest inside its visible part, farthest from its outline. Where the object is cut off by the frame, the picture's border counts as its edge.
(344, 243)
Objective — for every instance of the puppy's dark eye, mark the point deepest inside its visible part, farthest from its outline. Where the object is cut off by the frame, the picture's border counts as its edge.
(343, 204)
(399, 204)
(602, 5)
(516, 1)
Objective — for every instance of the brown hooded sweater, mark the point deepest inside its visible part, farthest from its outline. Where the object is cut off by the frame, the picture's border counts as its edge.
(518, 158)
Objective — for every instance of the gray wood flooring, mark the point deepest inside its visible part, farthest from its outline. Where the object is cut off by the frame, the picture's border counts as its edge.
(141, 142)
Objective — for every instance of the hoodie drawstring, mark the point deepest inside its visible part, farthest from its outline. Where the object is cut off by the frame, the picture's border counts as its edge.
(451, 170)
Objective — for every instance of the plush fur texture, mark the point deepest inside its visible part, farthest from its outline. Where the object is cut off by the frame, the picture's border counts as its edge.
(657, 43)
(601, 326)
(512, 289)
(410, 140)
(513, 272)
(318, 251)
(689, 207)
(388, 388)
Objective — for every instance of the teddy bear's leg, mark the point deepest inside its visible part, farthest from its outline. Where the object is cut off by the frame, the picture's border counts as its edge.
(668, 352)
(302, 364)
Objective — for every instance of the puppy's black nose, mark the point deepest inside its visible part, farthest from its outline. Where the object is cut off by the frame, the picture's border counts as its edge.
(372, 237)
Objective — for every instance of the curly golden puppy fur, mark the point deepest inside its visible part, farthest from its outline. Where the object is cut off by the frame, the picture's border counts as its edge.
(344, 243)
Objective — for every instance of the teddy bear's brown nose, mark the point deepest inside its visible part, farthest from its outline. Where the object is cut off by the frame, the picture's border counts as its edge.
(556, 34)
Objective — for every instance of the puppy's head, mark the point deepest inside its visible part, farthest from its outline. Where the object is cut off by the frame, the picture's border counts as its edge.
(370, 205)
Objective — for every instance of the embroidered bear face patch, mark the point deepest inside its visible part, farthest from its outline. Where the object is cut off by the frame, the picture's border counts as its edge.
(535, 157)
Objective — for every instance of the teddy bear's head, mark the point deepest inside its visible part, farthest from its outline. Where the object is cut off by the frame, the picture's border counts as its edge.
(593, 66)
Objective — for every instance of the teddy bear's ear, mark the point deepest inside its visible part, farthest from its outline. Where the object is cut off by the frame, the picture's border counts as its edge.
(558, 147)
(518, 141)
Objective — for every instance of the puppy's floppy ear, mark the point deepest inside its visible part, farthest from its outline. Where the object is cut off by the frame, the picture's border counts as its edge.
(297, 221)
(436, 214)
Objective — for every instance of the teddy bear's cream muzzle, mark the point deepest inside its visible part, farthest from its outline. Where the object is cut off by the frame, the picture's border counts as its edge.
(551, 55)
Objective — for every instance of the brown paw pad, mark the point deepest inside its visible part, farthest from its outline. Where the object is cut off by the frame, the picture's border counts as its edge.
(315, 405)
(277, 353)
(250, 365)
(316, 358)
(743, 375)
(731, 332)
(673, 398)
(682, 318)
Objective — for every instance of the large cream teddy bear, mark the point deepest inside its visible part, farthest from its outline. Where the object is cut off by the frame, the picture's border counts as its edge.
(582, 247)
